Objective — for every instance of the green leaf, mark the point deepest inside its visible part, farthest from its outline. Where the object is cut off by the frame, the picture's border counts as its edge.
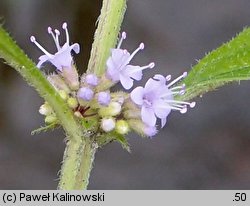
(230, 62)
(45, 128)
(123, 141)
(106, 138)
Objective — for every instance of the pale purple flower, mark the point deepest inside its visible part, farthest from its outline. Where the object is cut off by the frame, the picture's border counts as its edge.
(156, 99)
(103, 98)
(150, 131)
(92, 80)
(62, 58)
(119, 69)
(85, 93)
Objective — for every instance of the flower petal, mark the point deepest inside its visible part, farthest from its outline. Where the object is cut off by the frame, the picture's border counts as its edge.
(137, 95)
(62, 58)
(150, 131)
(161, 109)
(160, 78)
(134, 72)
(42, 59)
(126, 82)
(163, 122)
(152, 85)
(112, 72)
(148, 116)
(75, 47)
(119, 57)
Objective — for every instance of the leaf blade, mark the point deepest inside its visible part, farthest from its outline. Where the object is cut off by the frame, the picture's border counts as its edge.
(228, 63)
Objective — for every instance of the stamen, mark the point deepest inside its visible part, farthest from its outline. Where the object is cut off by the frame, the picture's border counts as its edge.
(184, 110)
(177, 87)
(33, 40)
(64, 26)
(192, 104)
(150, 66)
(177, 79)
(49, 30)
(170, 94)
(182, 92)
(178, 106)
(181, 108)
(168, 78)
(124, 35)
(57, 39)
(141, 47)
(54, 37)
(57, 32)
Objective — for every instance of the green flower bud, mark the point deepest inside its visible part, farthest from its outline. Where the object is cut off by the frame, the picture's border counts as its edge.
(72, 102)
(141, 128)
(50, 119)
(113, 109)
(71, 77)
(122, 127)
(58, 82)
(45, 109)
(104, 84)
(78, 114)
(119, 97)
(132, 114)
(63, 94)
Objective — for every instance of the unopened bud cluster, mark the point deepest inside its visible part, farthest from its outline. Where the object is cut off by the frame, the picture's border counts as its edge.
(90, 98)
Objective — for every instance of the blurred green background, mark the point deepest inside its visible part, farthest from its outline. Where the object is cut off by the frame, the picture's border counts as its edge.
(207, 148)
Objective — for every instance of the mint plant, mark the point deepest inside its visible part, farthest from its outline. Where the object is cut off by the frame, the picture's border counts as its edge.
(85, 105)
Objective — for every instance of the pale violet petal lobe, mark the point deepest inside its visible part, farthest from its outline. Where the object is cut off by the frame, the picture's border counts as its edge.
(133, 72)
(42, 60)
(137, 95)
(126, 82)
(163, 122)
(148, 116)
(161, 108)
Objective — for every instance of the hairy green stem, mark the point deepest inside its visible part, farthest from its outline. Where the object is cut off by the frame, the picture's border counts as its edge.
(79, 155)
(87, 157)
(106, 34)
(77, 164)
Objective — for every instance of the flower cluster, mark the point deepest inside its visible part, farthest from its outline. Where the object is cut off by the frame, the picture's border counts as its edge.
(103, 111)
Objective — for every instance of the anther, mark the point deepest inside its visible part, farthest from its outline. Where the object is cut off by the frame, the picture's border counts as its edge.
(49, 30)
(32, 39)
(124, 35)
(64, 26)
(141, 46)
(183, 110)
(57, 32)
(168, 78)
(184, 74)
(192, 104)
(151, 65)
